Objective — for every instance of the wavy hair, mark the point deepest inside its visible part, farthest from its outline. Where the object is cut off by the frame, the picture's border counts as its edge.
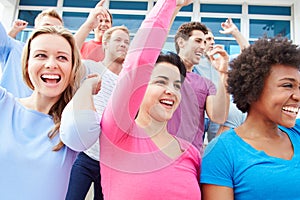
(75, 77)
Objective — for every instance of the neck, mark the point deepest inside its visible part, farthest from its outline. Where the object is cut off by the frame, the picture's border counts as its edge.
(39, 103)
(152, 127)
(253, 127)
(188, 64)
(113, 65)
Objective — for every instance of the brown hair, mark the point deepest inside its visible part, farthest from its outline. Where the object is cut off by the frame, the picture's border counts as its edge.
(185, 31)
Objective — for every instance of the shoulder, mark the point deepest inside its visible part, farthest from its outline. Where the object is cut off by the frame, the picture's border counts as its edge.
(94, 67)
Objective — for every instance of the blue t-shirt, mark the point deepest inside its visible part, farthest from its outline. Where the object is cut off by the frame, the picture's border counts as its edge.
(10, 62)
(29, 169)
(229, 161)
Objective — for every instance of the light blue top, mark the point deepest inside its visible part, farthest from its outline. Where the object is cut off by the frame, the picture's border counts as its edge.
(229, 161)
(29, 169)
(10, 62)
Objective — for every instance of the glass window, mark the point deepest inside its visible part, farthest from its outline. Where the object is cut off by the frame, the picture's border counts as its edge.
(29, 16)
(177, 22)
(188, 8)
(220, 8)
(80, 3)
(231, 46)
(132, 22)
(271, 28)
(23, 35)
(214, 24)
(126, 5)
(74, 20)
(169, 45)
(38, 3)
(270, 10)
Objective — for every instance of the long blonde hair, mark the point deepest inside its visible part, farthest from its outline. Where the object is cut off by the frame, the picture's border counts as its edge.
(75, 77)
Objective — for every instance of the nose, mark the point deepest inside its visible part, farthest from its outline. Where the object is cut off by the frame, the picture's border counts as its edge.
(170, 90)
(51, 63)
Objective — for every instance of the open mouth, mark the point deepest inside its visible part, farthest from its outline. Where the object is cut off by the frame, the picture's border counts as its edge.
(199, 54)
(167, 102)
(51, 78)
(290, 109)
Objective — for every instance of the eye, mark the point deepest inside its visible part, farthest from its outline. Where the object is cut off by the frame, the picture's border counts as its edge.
(287, 85)
(177, 86)
(160, 82)
(62, 58)
(40, 55)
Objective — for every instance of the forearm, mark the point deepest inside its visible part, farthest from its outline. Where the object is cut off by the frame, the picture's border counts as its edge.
(218, 105)
(13, 33)
(240, 39)
(81, 35)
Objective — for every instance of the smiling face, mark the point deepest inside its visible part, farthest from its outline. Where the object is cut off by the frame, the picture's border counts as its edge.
(50, 65)
(280, 99)
(104, 24)
(162, 96)
(192, 49)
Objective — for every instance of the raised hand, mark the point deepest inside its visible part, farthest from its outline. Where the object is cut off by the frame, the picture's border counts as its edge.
(219, 58)
(182, 3)
(18, 26)
(93, 81)
(228, 27)
(96, 13)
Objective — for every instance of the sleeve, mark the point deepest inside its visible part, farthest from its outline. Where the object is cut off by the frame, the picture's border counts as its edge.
(79, 129)
(235, 116)
(137, 68)
(5, 45)
(217, 165)
(212, 90)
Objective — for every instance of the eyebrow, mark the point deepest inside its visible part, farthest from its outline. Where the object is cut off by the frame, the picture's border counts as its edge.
(166, 78)
(288, 79)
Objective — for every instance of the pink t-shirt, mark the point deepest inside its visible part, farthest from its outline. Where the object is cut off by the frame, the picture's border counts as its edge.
(92, 50)
(132, 166)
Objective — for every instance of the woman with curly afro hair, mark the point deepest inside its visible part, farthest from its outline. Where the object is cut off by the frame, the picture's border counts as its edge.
(261, 158)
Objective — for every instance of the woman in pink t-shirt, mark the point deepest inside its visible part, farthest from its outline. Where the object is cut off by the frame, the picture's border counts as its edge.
(139, 158)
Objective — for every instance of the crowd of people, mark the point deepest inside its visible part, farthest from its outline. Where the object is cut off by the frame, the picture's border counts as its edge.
(131, 118)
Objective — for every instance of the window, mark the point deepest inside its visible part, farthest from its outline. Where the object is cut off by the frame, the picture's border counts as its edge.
(38, 3)
(271, 28)
(74, 20)
(270, 10)
(220, 8)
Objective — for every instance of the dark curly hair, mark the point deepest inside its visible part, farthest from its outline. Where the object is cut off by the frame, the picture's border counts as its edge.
(185, 31)
(251, 68)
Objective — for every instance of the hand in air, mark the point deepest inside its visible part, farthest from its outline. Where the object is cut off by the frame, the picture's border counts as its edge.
(219, 58)
(94, 82)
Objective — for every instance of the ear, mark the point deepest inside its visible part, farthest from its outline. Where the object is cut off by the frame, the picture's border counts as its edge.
(181, 42)
(104, 45)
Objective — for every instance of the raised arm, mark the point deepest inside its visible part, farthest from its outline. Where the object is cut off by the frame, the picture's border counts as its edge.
(80, 124)
(141, 58)
(18, 26)
(230, 28)
(217, 106)
(91, 23)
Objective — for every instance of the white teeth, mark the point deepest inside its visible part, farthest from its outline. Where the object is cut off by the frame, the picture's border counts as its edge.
(167, 102)
(50, 76)
(199, 54)
(291, 109)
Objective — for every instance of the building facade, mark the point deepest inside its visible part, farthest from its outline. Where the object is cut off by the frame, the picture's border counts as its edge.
(254, 18)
